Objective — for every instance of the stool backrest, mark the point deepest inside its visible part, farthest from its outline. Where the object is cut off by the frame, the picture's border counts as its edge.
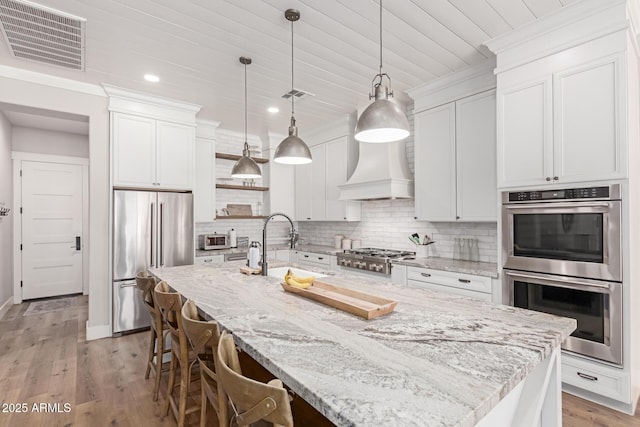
(146, 284)
(170, 305)
(251, 400)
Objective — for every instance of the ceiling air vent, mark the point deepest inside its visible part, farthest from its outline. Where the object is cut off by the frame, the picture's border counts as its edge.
(299, 94)
(42, 34)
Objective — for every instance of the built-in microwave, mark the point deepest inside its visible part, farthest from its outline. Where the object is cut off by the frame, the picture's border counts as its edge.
(209, 242)
(573, 232)
(595, 304)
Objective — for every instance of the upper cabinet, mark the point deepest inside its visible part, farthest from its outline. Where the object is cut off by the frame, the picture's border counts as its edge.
(455, 160)
(152, 153)
(317, 192)
(455, 147)
(153, 141)
(562, 97)
(563, 126)
(204, 186)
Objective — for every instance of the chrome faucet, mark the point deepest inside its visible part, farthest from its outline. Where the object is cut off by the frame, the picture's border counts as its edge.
(293, 237)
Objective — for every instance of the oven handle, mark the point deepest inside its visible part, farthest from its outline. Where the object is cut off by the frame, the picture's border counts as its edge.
(559, 205)
(577, 282)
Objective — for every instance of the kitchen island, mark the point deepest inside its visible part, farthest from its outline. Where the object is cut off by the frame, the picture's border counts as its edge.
(437, 360)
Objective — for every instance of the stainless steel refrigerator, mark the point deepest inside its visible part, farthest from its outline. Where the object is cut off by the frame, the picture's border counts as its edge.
(150, 229)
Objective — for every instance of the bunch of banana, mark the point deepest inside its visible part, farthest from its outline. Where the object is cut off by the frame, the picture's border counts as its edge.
(299, 282)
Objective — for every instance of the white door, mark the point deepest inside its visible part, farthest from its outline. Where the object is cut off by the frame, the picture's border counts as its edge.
(175, 155)
(318, 183)
(51, 227)
(134, 151)
(336, 174)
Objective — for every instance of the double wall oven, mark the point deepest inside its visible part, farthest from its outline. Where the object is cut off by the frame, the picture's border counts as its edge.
(562, 255)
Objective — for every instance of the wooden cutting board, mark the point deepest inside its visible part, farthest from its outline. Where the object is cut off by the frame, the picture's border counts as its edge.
(239, 210)
(355, 302)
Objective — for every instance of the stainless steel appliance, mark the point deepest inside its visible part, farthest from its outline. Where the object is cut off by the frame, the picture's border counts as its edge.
(371, 259)
(150, 229)
(213, 241)
(595, 304)
(573, 232)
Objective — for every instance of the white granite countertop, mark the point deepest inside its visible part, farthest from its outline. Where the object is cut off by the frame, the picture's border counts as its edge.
(487, 269)
(437, 360)
(319, 249)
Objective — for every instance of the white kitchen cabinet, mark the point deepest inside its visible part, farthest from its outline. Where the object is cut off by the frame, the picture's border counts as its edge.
(478, 287)
(151, 153)
(455, 161)
(317, 195)
(210, 259)
(312, 259)
(318, 183)
(564, 126)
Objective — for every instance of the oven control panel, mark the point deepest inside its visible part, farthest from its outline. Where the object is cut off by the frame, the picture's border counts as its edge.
(569, 193)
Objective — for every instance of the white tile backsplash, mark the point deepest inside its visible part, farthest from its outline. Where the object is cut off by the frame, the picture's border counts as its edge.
(389, 223)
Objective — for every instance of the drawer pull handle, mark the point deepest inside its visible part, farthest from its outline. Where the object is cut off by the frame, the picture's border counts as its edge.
(306, 256)
(320, 258)
(425, 274)
(587, 377)
(208, 260)
(464, 281)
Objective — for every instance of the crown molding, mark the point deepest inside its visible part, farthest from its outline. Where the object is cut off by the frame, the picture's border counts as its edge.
(50, 80)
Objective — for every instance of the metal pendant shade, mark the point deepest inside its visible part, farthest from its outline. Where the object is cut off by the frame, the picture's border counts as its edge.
(292, 150)
(383, 120)
(245, 167)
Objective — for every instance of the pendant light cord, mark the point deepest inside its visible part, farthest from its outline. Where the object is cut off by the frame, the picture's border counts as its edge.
(380, 36)
(245, 106)
(292, 96)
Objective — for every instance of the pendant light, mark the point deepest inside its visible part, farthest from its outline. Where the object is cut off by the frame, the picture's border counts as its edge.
(292, 150)
(245, 167)
(383, 120)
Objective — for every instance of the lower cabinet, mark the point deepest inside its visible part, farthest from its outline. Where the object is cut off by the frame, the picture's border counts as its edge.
(211, 259)
(456, 283)
(596, 378)
(311, 259)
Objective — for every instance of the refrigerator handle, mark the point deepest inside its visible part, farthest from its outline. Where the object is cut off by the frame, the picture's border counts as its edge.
(161, 261)
(153, 215)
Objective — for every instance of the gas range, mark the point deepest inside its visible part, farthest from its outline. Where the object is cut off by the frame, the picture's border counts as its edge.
(372, 259)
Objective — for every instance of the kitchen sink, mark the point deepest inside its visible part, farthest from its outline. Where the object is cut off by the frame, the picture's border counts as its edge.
(281, 271)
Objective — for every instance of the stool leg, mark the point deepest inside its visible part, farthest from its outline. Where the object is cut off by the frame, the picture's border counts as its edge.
(172, 381)
(160, 337)
(152, 344)
(184, 387)
(203, 400)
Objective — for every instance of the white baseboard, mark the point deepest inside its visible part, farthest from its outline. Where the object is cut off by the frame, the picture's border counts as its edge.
(5, 307)
(97, 332)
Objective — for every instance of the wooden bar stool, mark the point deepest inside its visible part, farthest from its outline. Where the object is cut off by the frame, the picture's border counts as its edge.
(250, 400)
(204, 337)
(170, 304)
(158, 331)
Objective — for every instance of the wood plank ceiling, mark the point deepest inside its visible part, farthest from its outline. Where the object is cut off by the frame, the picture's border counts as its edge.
(194, 45)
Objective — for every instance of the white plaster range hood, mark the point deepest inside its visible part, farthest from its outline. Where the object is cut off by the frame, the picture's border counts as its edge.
(382, 173)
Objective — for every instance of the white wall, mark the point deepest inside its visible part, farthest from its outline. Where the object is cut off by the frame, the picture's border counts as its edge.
(6, 222)
(21, 87)
(49, 142)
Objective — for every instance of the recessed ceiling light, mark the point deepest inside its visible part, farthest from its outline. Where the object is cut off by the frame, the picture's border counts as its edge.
(151, 78)
(273, 110)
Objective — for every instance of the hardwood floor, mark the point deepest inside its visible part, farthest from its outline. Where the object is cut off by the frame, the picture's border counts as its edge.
(46, 359)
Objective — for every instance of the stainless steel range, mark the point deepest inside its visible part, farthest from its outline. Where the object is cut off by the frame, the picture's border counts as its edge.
(372, 259)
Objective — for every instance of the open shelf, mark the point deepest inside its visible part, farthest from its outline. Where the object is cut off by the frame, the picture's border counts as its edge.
(227, 156)
(241, 217)
(241, 187)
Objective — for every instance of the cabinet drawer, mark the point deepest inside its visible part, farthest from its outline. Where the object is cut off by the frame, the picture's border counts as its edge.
(457, 291)
(213, 259)
(461, 281)
(600, 379)
(311, 258)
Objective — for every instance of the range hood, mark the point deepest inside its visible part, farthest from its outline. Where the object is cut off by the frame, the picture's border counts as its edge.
(382, 173)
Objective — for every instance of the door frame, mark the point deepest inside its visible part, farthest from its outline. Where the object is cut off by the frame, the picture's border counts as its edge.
(17, 158)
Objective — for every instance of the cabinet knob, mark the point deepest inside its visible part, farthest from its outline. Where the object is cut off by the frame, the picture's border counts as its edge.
(308, 217)
(555, 178)
(548, 178)
(457, 217)
(345, 217)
